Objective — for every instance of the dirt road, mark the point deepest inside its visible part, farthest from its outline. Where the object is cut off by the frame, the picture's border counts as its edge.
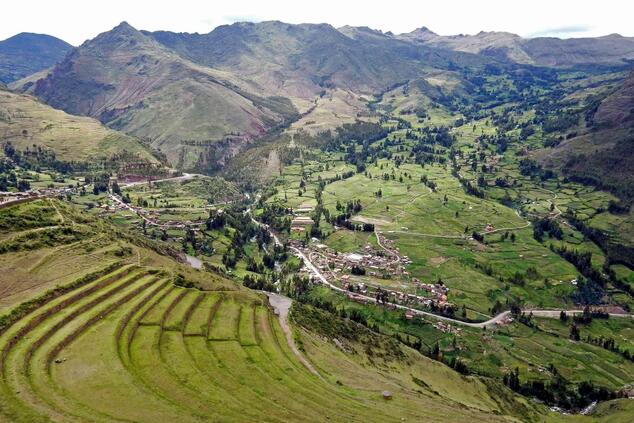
(282, 305)
(492, 321)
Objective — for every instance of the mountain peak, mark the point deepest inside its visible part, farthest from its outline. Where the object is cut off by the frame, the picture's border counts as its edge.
(26, 53)
(497, 34)
(120, 35)
(421, 34)
(424, 30)
(124, 26)
(356, 31)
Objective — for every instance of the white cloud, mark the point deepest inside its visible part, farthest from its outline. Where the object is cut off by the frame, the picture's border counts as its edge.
(77, 20)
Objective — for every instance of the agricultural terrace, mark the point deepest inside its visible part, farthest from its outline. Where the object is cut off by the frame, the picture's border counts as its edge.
(458, 198)
(129, 345)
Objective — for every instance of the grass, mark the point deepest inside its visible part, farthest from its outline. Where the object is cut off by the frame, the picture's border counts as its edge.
(497, 351)
(192, 193)
(28, 122)
(434, 232)
(120, 352)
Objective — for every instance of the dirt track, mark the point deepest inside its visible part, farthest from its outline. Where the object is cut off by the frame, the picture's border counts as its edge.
(282, 305)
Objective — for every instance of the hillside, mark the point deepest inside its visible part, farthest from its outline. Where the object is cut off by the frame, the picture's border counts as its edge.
(302, 60)
(26, 123)
(131, 83)
(541, 51)
(26, 53)
(105, 320)
(603, 152)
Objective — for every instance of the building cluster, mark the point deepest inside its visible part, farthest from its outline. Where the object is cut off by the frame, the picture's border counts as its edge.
(445, 327)
(7, 198)
(336, 265)
(436, 297)
(337, 268)
(301, 220)
(300, 223)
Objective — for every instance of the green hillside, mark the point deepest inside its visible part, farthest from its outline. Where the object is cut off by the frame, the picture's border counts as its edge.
(275, 222)
(122, 342)
(133, 84)
(27, 123)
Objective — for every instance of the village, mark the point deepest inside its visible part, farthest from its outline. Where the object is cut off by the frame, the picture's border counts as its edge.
(372, 273)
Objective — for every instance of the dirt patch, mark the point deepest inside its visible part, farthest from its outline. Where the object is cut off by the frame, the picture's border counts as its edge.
(437, 261)
(282, 305)
(371, 220)
(479, 246)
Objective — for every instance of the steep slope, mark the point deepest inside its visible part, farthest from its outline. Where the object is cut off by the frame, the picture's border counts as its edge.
(103, 334)
(25, 122)
(500, 45)
(302, 60)
(26, 53)
(542, 51)
(618, 108)
(132, 83)
(604, 153)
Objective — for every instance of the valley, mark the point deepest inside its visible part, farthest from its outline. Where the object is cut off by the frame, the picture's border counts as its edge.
(296, 222)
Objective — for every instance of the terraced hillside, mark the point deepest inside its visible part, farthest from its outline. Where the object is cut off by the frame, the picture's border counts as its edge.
(27, 123)
(131, 346)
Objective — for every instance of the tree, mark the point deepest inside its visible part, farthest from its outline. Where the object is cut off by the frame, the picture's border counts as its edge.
(574, 333)
(563, 316)
(435, 352)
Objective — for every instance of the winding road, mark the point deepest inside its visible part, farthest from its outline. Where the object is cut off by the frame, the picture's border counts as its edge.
(492, 321)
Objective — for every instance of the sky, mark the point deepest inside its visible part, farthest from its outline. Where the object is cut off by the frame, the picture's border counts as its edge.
(76, 21)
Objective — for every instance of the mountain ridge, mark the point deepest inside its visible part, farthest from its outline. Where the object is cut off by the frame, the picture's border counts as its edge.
(132, 83)
(611, 49)
(27, 53)
(202, 98)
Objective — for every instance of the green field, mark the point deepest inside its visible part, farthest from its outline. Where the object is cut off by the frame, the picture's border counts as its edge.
(130, 346)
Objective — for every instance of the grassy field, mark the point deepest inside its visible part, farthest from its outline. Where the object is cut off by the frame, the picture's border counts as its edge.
(193, 193)
(433, 228)
(131, 346)
(26, 122)
(495, 352)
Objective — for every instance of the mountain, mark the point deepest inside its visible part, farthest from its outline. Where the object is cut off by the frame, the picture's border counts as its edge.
(132, 83)
(542, 51)
(27, 53)
(617, 109)
(300, 61)
(602, 154)
(200, 98)
(25, 122)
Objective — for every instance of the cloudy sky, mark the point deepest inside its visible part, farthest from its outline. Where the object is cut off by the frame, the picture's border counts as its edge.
(77, 20)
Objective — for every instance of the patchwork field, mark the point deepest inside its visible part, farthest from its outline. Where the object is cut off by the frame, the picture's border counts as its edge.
(128, 345)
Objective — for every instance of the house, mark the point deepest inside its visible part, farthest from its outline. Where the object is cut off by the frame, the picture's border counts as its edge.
(354, 257)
